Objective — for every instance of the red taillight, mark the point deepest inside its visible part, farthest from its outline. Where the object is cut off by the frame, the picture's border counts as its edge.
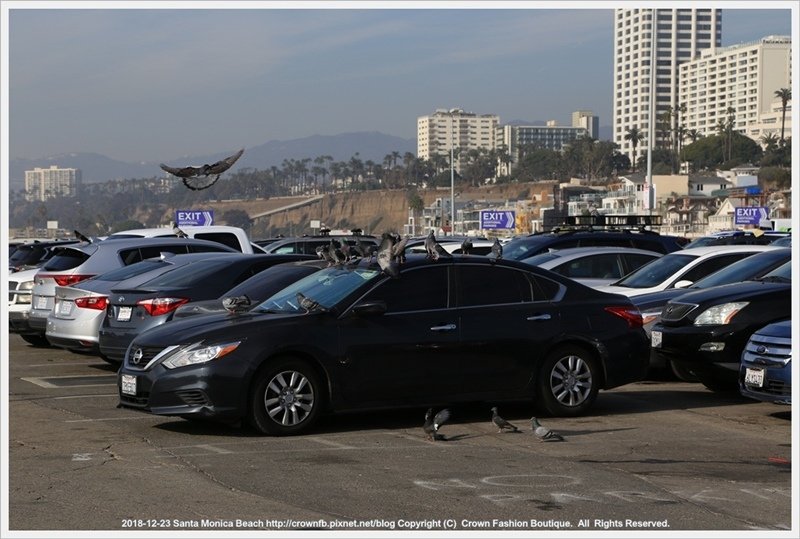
(159, 306)
(67, 280)
(92, 302)
(631, 315)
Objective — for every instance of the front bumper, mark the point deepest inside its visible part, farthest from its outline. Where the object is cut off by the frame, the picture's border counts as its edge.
(212, 391)
(700, 346)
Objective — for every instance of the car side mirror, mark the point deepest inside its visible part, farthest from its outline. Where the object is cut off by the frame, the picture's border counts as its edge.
(369, 308)
(684, 283)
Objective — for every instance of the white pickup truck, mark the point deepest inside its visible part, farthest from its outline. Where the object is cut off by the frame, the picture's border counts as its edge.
(231, 236)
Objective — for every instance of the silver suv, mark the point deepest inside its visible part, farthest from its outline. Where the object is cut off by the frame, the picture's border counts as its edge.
(74, 263)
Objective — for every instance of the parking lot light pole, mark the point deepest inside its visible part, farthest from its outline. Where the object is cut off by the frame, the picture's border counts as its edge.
(452, 175)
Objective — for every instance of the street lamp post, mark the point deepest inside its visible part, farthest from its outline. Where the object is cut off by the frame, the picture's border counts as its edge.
(452, 176)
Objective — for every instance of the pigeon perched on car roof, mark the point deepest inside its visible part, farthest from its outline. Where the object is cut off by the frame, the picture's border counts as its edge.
(543, 433)
(433, 422)
(466, 246)
(501, 423)
(385, 257)
(433, 249)
(497, 249)
(177, 231)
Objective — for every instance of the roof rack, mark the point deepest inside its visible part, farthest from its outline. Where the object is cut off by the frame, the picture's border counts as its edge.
(616, 221)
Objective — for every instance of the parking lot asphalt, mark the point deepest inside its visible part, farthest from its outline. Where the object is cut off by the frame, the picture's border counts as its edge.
(653, 455)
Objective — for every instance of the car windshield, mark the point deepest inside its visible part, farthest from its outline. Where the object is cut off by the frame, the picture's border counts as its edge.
(540, 258)
(520, 248)
(133, 270)
(738, 271)
(656, 272)
(783, 274)
(324, 288)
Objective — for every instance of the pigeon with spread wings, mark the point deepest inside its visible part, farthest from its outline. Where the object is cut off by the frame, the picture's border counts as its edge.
(196, 178)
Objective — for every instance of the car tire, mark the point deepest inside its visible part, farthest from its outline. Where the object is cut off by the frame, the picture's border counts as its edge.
(718, 383)
(568, 381)
(36, 340)
(286, 398)
(682, 373)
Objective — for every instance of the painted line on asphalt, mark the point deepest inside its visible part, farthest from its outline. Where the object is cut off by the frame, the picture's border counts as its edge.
(51, 382)
(83, 396)
(331, 443)
(107, 419)
(66, 362)
(214, 449)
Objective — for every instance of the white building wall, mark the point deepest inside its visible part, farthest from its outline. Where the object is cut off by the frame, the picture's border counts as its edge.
(455, 129)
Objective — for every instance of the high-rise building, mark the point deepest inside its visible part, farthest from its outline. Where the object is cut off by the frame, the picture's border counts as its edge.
(681, 34)
(737, 82)
(587, 120)
(551, 137)
(455, 129)
(45, 183)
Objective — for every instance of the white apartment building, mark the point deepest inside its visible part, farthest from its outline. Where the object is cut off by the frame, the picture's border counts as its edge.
(769, 123)
(457, 130)
(45, 183)
(680, 36)
(587, 120)
(551, 137)
(741, 77)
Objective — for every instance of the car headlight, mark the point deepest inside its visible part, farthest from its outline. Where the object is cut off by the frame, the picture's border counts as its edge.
(719, 315)
(24, 297)
(196, 353)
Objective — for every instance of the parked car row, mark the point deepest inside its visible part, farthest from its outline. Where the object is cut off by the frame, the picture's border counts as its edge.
(276, 341)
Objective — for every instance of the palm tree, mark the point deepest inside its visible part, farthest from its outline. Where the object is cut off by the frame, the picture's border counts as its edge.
(693, 135)
(770, 141)
(785, 94)
(635, 136)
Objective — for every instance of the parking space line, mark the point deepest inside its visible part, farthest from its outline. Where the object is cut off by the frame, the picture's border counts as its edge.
(84, 396)
(107, 419)
(43, 381)
(331, 443)
(214, 449)
(66, 362)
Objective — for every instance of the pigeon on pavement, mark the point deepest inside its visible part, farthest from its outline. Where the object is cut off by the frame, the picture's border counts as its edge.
(433, 422)
(497, 249)
(501, 423)
(543, 433)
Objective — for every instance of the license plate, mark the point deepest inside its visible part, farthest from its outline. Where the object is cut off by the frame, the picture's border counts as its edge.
(124, 314)
(655, 339)
(65, 307)
(129, 384)
(754, 377)
(41, 302)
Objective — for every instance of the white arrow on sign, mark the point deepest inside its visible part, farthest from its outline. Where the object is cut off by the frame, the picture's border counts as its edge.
(207, 218)
(510, 219)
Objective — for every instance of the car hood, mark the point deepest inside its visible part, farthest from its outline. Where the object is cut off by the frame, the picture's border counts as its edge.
(778, 329)
(195, 308)
(216, 326)
(654, 300)
(733, 292)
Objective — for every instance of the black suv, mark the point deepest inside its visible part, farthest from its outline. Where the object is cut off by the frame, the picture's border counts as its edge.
(527, 246)
(34, 254)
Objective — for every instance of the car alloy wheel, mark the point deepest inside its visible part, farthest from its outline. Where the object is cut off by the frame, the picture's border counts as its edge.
(286, 398)
(568, 383)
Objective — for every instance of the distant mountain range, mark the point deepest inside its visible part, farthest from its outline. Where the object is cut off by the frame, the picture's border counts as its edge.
(369, 145)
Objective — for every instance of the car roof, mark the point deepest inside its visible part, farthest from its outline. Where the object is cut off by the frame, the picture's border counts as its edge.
(583, 251)
(712, 249)
(124, 243)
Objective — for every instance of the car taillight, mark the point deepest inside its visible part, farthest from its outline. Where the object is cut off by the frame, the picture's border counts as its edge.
(630, 314)
(67, 280)
(92, 302)
(159, 306)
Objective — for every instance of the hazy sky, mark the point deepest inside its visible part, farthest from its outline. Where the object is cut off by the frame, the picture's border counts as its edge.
(156, 84)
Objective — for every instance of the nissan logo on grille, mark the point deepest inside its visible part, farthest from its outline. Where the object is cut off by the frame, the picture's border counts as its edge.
(137, 356)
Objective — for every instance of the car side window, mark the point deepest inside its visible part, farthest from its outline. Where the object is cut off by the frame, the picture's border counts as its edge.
(708, 267)
(634, 261)
(603, 266)
(491, 285)
(421, 289)
(544, 289)
(225, 238)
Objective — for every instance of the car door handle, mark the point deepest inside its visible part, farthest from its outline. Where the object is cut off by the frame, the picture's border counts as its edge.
(446, 327)
(538, 317)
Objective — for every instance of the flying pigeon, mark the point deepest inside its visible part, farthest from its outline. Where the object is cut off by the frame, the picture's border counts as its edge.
(190, 174)
(466, 246)
(432, 424)
(385, 258)
(497, 249)
(236, 304)
(501, 423)
(543, 433)
(81, 237)
(178, 232)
